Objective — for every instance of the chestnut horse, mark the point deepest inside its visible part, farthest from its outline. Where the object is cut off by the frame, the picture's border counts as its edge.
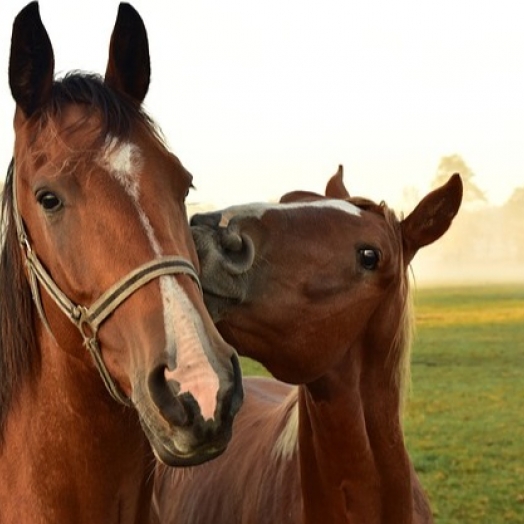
(99, 290)
(316, 289)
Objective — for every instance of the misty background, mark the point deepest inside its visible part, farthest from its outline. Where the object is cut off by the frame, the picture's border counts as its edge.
(261, 98)
(485, 243)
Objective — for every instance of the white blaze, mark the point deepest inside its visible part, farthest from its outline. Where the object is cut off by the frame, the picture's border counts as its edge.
(182, 324)
(257, 210)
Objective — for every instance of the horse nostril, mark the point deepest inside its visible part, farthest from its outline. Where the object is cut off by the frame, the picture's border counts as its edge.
(165, 395)
(238, 252)
(231, 241)
(237, 393)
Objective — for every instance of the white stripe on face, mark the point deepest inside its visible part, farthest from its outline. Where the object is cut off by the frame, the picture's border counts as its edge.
(258, 210)
(187, 345)
(123, 160)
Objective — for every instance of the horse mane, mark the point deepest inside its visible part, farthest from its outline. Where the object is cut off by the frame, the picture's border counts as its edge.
(118, 111)
(19, 356)
(399, 356)
(287, 442)
(400, 350)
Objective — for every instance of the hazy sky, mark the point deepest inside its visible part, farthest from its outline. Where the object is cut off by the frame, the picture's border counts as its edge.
(259, 98)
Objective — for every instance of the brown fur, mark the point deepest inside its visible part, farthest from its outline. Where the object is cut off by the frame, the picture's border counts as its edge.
(68, 451)
(315, 316)
(19, 356)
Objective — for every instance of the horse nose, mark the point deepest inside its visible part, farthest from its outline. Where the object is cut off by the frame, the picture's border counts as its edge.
(183, 410)
(238, 251)
(206, 219)
(235, 396)
(165, 395)
(225, 246)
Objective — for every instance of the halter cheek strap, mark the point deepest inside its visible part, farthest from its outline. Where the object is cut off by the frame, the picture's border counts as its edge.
(88, 319)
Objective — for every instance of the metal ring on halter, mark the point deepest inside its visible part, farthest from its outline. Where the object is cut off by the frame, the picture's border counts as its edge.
(91, 317)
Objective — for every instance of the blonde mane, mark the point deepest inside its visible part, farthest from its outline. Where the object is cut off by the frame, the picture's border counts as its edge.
(287, 442)
(401, 344)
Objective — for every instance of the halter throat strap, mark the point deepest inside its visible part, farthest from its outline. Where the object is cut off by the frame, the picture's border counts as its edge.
(89, 319)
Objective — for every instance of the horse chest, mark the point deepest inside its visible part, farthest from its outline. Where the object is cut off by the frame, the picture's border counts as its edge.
(61, 464)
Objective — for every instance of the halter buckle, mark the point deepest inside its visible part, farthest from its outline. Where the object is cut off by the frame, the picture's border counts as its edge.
(24, 242)
(80, 317)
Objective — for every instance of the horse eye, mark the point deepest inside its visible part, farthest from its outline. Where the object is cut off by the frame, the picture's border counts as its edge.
(49, 201)
(368, 258)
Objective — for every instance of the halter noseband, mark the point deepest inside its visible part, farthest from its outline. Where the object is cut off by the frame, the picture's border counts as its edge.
(88, 319)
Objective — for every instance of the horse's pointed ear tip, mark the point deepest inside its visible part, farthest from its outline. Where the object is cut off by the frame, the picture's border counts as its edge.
(32, 9)
(456, 182)
(126, 9)
(456, 178)
(32, 6)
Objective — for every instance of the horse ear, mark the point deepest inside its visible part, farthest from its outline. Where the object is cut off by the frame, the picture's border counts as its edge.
(335, 187)
(128, 68)
(31, 62)
(432, 217)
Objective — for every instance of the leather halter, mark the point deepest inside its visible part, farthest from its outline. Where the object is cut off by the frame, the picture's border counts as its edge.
(88, 319)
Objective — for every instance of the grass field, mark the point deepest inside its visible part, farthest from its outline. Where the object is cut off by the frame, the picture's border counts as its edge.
(465, 420)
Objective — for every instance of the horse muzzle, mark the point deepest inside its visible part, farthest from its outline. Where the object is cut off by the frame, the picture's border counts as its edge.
(180, 430)
(226, 257)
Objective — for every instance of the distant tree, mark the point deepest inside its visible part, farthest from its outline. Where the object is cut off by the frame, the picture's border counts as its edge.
(516, 200)
(455, 164)
(514, 220)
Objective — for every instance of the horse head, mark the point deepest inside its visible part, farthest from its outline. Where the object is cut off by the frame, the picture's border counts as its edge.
(294, 284)
(95, 204)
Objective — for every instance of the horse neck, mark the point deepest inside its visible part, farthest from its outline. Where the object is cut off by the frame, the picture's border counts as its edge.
(354, 465)
(70, 450)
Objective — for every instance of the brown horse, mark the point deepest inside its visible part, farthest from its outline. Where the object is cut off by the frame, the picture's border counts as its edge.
(315, 289)
(99, 288)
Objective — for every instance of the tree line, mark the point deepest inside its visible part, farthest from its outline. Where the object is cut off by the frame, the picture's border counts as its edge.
(485, 242)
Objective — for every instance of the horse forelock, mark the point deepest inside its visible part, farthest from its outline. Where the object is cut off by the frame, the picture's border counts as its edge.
(19, 357)
(117, 115)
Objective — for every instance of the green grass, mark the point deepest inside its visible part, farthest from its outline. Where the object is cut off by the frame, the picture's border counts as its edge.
(465, 419)
(465, 424)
